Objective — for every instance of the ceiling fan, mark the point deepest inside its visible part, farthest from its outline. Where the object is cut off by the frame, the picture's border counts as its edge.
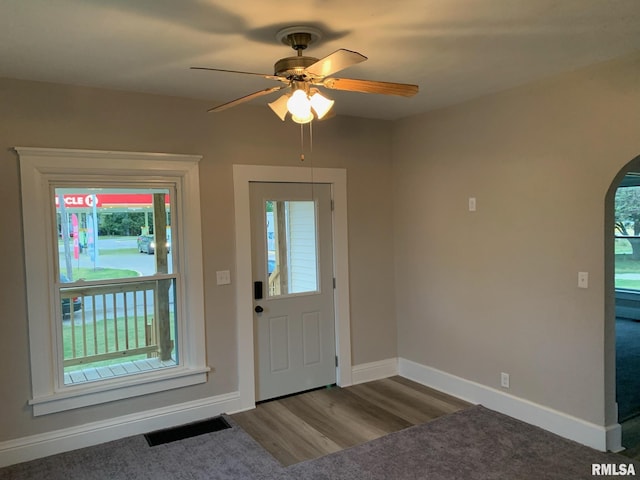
(302, 75)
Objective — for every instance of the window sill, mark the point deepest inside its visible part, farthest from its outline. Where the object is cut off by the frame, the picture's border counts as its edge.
(126, 387)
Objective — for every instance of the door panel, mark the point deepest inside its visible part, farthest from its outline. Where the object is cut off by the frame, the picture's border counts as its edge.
(311, 338)
(278, 343)
(292, 254)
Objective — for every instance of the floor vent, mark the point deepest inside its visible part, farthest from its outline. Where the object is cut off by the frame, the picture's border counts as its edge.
(186, 431)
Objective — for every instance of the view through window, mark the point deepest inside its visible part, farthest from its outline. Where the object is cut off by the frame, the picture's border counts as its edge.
(115, 281)
(627, 238)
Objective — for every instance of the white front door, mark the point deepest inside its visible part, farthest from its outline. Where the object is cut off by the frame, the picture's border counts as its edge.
(292, 266)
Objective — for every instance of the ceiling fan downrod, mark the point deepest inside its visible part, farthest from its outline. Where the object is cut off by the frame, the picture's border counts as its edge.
(299, 41)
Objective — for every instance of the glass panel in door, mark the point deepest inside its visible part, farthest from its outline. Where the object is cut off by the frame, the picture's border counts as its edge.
(292, 260)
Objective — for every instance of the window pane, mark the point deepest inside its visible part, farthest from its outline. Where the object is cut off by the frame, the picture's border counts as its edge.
(113, 234)
(113, 325)
(627, 238)
(292, 264)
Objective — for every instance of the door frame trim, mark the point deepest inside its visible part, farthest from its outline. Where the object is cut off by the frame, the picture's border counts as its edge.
(242, 176)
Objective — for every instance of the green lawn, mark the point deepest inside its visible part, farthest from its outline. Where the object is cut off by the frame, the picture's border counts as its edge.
(624, 264)
(117, 251)
(114, 251)
(622, 246)
(88, 274)
(628, 284)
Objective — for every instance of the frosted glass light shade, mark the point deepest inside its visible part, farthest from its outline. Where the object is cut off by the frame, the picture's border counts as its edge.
(306, 119)
(321, 105)
(299, 105)
(279, 106)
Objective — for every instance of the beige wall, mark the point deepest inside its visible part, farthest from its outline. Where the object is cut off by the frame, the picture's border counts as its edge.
(496, 290)
(46, 115)
(476, 294)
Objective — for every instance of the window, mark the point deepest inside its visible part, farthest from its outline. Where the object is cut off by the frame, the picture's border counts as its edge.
(112, 240)
(627, 234)
(118, 310)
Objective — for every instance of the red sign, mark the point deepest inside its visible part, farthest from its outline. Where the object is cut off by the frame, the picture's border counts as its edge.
(109, 200)
(78, 201)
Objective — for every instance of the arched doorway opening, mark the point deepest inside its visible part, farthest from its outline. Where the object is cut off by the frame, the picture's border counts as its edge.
(622, 304)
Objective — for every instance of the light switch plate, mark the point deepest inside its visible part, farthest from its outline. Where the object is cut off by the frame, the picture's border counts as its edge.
(223, 277)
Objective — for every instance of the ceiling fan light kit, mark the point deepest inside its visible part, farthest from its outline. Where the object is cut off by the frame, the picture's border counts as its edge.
(303, 104)
(302, 74)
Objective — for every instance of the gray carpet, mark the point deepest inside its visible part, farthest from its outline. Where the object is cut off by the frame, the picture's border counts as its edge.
(471, 444)
(227, 454)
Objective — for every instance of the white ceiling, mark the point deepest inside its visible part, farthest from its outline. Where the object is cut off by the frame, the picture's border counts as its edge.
(453, 49)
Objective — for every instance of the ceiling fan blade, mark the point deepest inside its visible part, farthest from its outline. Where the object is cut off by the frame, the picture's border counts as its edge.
(334, 62)
(370, 86)
(246, 98)
(263, 75)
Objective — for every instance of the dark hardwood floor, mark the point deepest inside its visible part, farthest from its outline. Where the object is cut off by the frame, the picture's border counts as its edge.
(312, 424)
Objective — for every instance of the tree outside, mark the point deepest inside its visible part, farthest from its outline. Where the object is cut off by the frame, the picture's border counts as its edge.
(627, 243)
(627, 219)
(123, 223)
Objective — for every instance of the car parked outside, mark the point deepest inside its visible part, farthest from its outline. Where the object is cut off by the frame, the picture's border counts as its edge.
(147, 244)
(66, 303)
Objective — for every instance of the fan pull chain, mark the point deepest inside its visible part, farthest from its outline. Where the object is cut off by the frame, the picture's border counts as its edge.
(302, 142)
(311, 155)
(302, 158)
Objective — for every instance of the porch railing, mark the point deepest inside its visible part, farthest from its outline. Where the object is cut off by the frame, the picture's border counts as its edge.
(105, 322)
(274, 282)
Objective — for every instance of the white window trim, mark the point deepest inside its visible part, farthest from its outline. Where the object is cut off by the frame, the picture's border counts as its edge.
(37, 167)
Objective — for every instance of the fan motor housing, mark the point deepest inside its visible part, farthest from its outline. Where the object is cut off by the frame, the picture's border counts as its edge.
(293, 66)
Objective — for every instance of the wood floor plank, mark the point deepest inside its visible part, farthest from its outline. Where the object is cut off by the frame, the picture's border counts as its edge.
(316, 423)
(283, 434)
(431, 392)
(409, 409)
(343, 417)
(407, 402)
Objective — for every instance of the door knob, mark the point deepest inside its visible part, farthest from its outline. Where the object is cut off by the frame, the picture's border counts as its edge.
(259, 309)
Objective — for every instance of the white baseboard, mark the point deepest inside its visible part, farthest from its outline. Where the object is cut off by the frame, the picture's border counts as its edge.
(58, 441)
(614, 438)
(367, 372)
(587, 433)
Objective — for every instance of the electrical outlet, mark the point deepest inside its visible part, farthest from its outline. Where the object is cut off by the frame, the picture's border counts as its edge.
(472, 204)
(504, 380)
(583, 279)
